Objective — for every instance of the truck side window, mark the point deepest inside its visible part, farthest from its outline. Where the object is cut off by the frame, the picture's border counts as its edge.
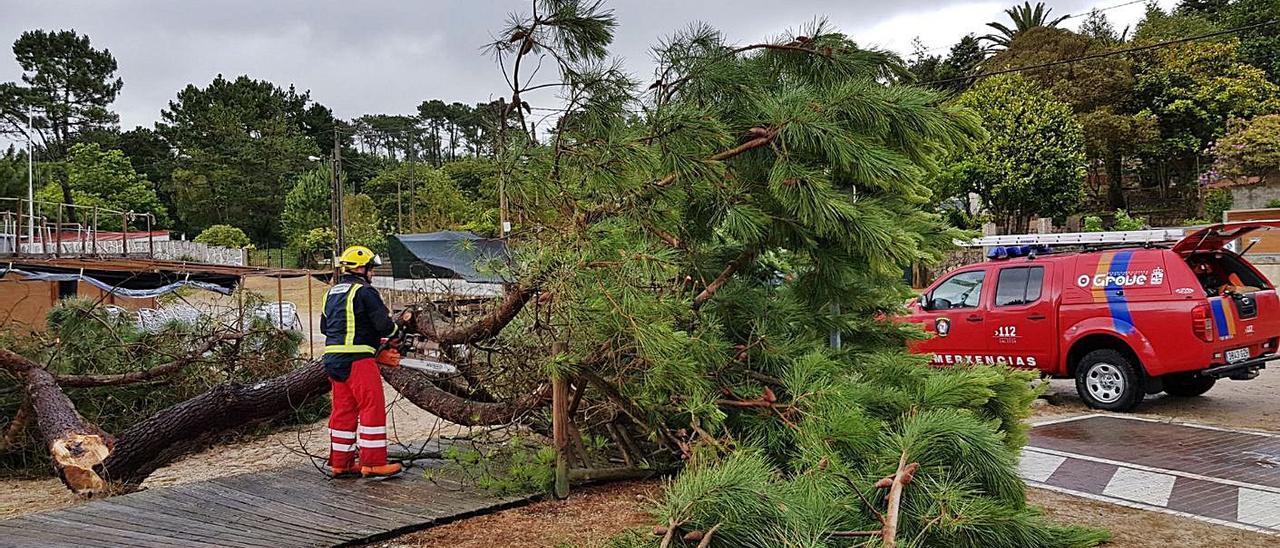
(1019, 285)
(962, 290)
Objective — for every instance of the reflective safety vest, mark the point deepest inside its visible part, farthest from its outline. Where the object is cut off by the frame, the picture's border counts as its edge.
(355, 320)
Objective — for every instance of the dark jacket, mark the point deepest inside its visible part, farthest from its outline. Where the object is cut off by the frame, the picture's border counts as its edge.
(354, 323)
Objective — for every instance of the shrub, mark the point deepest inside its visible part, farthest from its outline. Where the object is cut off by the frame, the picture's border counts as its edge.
(1092, 223)
(1215, 202)
(224, 236)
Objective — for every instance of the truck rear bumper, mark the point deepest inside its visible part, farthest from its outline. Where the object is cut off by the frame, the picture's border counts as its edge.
(1241, 371)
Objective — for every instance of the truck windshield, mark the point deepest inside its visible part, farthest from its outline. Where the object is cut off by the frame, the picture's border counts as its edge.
(962, 290)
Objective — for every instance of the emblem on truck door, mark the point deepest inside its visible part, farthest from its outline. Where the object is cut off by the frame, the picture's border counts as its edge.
(942, 326)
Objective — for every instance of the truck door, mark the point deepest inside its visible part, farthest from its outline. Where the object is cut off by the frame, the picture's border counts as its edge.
(953, 314)
(1021, 320)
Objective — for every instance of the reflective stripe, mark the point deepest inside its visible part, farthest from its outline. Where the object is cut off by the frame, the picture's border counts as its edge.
(343, 447)
(342, 433)
(351, 316)
(349, 349)
(372, 443)
(372, 429)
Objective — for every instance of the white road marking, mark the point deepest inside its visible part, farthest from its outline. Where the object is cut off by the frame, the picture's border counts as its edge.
(1179, 473)
(1038, 466)
(1258, 508)
(1141, 506)
(1141, 486)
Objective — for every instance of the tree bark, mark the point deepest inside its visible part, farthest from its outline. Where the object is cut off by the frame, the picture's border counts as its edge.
(419, 390)
(75, 445)
(486, 327)
(743, 258)
(154, 442)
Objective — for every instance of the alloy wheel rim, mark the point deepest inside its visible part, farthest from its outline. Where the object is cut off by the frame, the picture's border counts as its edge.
(1104, 382)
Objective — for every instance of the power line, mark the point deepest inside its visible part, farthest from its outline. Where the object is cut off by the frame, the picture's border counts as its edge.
(1107, 54)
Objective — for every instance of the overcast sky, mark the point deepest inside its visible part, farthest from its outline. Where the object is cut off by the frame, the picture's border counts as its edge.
(386, 57)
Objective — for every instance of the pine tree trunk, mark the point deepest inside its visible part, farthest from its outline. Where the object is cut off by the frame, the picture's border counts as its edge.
(154, 442)
(76, 446)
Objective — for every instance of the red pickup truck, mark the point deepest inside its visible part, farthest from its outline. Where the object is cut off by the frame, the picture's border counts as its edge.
(1124, 320)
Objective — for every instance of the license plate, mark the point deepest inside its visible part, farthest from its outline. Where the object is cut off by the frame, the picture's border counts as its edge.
(1237, 355)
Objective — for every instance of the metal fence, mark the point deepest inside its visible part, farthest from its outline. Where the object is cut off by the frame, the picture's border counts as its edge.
(45, 229)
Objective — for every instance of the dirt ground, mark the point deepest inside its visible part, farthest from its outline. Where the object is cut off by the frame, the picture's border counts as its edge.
(588, 518)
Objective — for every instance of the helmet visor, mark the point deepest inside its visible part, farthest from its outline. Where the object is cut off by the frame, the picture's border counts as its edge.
(376, 261)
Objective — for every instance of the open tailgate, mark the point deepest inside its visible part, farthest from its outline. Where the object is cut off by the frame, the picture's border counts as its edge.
(1214, 237)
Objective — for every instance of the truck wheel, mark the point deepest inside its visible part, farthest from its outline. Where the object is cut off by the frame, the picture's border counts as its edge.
(1106, 379)
(1185, 385)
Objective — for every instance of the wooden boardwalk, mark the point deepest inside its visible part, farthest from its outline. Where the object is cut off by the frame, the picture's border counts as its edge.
(277, 508)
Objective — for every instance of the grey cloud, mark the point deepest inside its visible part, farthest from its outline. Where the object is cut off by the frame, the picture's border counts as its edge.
(362, 57)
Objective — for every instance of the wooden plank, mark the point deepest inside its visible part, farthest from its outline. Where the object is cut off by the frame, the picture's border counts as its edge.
(136, 520)
(105, 534)
(304, 522)
(400, 499)
(31, 535)
(212, 523)
(256, 487)
(306, 496)
(262, 523)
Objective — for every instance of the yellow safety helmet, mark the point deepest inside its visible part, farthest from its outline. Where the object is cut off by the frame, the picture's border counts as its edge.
(357, 256)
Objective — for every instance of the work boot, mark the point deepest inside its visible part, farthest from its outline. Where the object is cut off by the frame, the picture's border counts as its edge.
(384, 471)
(345, 472)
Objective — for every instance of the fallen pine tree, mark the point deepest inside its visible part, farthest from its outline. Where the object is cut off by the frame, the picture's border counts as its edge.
(89, 460)
(708, 264)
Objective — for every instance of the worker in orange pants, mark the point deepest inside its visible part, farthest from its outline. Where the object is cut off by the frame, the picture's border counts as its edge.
(354, 323)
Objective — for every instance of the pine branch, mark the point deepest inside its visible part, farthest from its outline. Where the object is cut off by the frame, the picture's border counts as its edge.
(742, 260)
(760, 136)
(133, 377)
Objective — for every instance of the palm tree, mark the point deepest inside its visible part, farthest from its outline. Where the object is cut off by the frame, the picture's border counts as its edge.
(1024, 18)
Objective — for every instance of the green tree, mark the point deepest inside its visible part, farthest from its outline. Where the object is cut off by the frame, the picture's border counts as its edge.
(415, 197)
(1032, 163)
(1099, 91)
(952, 72)
(1098, 27)
(307, 205)
(361, 223)
(104, 178)
(66, 84)
(1250, 147)
(13, 173)
(224, 236)
(240, 145)
(1024, 17)
(1192, 91)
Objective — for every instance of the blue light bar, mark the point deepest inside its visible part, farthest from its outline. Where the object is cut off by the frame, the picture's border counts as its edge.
(1002, 252)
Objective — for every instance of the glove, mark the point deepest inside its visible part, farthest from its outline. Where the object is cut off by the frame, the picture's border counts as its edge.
(388, 357)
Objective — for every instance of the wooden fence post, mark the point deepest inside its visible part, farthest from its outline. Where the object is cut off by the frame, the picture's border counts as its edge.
(560, 425)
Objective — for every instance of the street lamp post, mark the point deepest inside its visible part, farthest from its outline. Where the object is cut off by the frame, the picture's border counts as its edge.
(31, 191)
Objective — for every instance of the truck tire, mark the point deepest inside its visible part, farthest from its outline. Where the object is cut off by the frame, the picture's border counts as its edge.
(1109, 380)
(1187, 385)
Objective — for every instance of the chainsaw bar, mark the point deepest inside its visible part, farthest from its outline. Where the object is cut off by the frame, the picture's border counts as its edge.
(428, 366)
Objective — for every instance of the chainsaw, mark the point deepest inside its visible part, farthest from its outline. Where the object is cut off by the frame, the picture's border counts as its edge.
(395, 353)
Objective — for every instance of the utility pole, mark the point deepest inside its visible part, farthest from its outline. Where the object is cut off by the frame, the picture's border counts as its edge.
(337, 192)
(31, 191)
